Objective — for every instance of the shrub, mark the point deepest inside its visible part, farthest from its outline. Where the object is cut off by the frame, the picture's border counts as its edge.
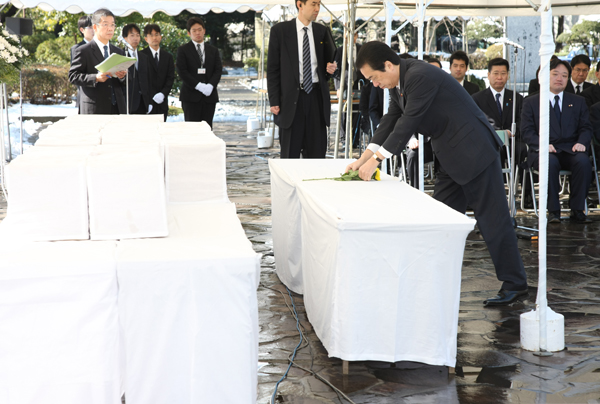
(46, 84)
(478, 60)
(55, 51)
(494, 51)
(32, 42)
(479, 82)
(254, 62)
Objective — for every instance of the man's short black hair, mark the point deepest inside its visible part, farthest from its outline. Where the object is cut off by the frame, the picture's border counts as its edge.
(581, 59)
(406, 56)
(98, 14)
(498, 62)
(554, 63)
(193, 21)
(151, 27)
(460, 55)
(375, 54)
(434, 60)
(127, 29)
(301, 1)
(84, 22)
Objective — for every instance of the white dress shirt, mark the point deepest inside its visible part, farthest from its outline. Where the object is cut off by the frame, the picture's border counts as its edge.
(313, 54)
(560, 99)
(494, 92)
(155, 54)
(101, 46)
(203, 61)
(575, 86)
(133, 54)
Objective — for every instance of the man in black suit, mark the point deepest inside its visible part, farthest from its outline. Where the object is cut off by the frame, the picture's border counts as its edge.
(424, 99)
(297, 71)
(199, 66)
(459, 64)
(100, 92)
(580, 66)
(139, 92)
(595, 120)
(592, 93)
(496, 102)
(161, 70)
(87, 32)
(570, 136)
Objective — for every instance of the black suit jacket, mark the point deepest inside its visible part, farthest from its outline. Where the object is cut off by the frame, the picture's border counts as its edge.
(283, 74)
(337, 57)
(575, 126)
(471, 88)
(434, 104)
(188, 63)
(591, 95)
(571, 89)
(487, 103)
(96, 98)
(595, 120)
(77, 100)
(139, 86)
(161, 79)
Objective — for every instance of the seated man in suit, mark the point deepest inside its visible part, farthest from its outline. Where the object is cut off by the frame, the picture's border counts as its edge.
(570, 136)
(424, 99)
(161, 71)
(459, 64)
(592, 93)
(199, 66)
(101, 93)
(139, 93)
(87, 32)
(580, 66)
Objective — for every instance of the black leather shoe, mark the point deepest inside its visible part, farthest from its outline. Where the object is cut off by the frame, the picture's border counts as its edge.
(579, 217)
(504, 297)
(554, 217)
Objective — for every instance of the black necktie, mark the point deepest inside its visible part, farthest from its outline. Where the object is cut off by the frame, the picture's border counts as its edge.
(498, 104)
(105, 51)
(201, 54)
(156, 60)
(557, 108)
(578, 91)
(306, 64)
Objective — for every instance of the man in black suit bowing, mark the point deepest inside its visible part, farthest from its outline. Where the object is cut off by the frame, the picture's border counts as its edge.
(100, 92)
(424, 99)
(139, 93)
(459, 64)
(570, 137)
(84, 24)
(199, 66)
(162, 70)
(297, 71)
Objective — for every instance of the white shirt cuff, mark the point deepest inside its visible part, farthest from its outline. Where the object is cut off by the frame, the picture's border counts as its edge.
(376, 148)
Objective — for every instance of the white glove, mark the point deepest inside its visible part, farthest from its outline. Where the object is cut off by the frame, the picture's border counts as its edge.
(207, 89)
(159, 98)
(200, 87)
(149, 109)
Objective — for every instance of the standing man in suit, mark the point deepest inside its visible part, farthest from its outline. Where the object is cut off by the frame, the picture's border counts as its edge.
(199, 66)
(424, 99)
(139, 93)
(459, 64)
(592, 93)
(87, 32)
(580, 65)
(570, 136)
(297, 72)
(101, 93)
(161, 70)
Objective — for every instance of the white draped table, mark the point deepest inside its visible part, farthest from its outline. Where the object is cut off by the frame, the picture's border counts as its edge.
(379, 263)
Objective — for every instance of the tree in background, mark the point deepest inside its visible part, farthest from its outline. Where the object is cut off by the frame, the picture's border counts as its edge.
(583, 33)
(484, 29)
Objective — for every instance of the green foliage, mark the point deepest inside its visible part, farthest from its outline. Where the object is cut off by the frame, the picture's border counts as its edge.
(55, 51)
(41, 82)
(32, 42)
(582, 33)
(479, 82)
(494, 51)
(478, 60)
(254, 62)
(484, 28)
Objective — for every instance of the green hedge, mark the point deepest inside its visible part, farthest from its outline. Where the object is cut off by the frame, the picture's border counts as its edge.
(46, 84)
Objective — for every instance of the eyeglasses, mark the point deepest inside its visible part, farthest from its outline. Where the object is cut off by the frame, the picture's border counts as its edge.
(108, 25)
(578, 70)
(154, 35)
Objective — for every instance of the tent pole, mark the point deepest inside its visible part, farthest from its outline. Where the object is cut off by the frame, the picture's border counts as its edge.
(349, 96)
(338, 124)
(421, 12)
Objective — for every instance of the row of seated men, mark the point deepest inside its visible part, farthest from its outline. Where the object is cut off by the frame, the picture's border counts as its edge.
(574, 107)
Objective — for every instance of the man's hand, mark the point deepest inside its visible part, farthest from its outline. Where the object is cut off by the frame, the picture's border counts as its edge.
(158, 98)
(121, 74)
(208, 88)
(358, 163)
(578, 147)
(509, 133)
(331, 67)
(275, 110)
(102, 77)
(365, 172)
(551, 149)
(413, 143)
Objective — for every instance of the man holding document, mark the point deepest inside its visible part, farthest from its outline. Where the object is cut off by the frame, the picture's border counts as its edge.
(101, 93)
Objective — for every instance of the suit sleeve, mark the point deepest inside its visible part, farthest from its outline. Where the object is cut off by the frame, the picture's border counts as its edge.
(166, 90)
(274, 68)
(218, 69)
(183, 68)
(78, 72)
(529, 126)
(374, 107)
(595, 120)
(584, 127)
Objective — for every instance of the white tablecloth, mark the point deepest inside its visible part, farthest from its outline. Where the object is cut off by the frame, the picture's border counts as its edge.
(380, 263)
(188, 310)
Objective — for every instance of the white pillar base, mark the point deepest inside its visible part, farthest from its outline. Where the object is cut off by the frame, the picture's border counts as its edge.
(530, 331)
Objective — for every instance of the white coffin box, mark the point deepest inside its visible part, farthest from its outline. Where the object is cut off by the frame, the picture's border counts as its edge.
(126, 193)
(188, 128)
(194, 168)
(129, 136)
(54, 139)
(48, 195)
(59, 326)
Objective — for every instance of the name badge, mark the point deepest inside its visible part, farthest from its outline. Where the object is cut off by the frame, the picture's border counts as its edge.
(202, 70)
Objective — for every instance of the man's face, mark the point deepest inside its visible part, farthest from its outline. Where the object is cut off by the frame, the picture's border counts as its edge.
(153, 39)
(498, 77)
(197, 32)
(88, 33)
(105, 30)
(558, 79)
(309, 11)
(133, 38)
(580, 72)
(386, 79)
(458, 69)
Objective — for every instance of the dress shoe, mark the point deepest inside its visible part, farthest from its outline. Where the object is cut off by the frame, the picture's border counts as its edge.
(579, 217)
(504, 297)
(554, 217)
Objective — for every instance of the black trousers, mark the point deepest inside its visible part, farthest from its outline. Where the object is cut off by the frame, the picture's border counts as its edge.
(412, 162)
(199, 111)
(485, 194)
(581, 168)
(308, 134)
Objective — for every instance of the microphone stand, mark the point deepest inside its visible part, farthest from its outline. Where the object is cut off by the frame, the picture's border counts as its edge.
(127, 75)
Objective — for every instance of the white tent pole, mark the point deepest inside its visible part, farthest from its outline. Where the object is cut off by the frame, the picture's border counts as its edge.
(349, 97)
(338, 124)
(389, 15)
(421, 153)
